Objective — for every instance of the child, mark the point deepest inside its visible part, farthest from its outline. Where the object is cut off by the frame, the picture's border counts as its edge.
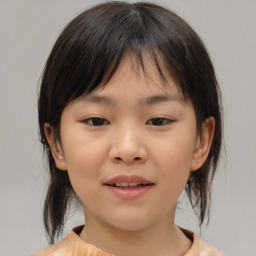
(129, 115)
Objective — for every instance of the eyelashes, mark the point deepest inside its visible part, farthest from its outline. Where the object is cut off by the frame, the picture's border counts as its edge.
(159, 121)
(98, 121)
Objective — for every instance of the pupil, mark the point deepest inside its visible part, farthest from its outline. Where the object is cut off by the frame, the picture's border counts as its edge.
(157, 121)
(98, 121)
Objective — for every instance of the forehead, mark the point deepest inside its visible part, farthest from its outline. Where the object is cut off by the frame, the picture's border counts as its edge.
(140, 75)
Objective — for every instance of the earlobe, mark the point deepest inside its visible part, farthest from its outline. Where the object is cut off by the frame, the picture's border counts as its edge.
(203, 144)
(56, 148)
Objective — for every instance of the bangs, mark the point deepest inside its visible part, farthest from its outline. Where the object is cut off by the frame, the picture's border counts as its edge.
(99, 40)
(150, 64)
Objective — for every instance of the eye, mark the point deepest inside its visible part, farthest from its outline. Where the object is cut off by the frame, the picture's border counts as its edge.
(159, 121)
(96, 121)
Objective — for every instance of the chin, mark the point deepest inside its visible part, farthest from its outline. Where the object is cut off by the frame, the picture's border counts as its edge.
(130, 226)
(130, 222)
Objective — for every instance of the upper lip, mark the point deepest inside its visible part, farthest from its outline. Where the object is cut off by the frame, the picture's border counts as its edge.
(127, 179)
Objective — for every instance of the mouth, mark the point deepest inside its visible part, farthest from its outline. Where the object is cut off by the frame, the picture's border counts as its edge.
(125, 185)
(129, 187)
(133, 181)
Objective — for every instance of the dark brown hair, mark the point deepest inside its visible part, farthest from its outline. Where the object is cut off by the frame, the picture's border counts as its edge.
(91, 48)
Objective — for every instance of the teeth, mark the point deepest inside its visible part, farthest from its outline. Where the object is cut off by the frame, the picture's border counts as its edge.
(126, 184)
(133, 184)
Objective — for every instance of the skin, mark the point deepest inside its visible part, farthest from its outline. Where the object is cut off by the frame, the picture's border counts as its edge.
(129, 142)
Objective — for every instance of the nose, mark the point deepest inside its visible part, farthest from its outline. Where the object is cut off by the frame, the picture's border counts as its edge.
(128, 146)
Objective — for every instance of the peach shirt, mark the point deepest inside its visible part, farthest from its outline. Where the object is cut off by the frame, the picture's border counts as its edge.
(73, 245)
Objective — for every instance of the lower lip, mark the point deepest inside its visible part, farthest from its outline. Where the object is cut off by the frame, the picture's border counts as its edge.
(130, 193)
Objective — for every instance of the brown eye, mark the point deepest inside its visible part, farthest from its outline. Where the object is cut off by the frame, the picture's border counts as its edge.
(96, 121)
(159, 121)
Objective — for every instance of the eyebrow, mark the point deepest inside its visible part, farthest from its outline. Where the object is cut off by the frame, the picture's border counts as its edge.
(100, 99)
(162, 98)
(151, 100)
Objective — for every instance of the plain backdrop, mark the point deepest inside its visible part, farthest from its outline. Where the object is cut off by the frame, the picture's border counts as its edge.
(28, 29)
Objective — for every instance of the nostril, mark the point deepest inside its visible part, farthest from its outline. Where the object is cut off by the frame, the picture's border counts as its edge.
(135, 159)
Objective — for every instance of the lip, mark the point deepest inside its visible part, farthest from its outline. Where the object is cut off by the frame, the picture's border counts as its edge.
(129, 193)
(128, 179)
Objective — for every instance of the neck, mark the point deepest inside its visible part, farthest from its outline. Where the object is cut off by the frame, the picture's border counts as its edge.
(161, 238)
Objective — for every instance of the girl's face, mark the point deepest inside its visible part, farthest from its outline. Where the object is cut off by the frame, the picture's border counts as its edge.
(128, 148)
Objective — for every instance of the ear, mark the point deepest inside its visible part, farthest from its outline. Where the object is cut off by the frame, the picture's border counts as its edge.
(203, 144)
(56, 148)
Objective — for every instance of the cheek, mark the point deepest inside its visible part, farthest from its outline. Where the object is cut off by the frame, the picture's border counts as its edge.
(83, 161)
(173, 162)
(82, 152)
(174, 155)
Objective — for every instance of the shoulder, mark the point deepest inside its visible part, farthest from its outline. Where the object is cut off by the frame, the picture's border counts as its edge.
(63, 247)
(72, 245)
(206, 249)
(48, 251)
(200, 247)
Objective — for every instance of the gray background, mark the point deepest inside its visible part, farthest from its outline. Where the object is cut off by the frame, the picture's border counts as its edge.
(28, 30)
